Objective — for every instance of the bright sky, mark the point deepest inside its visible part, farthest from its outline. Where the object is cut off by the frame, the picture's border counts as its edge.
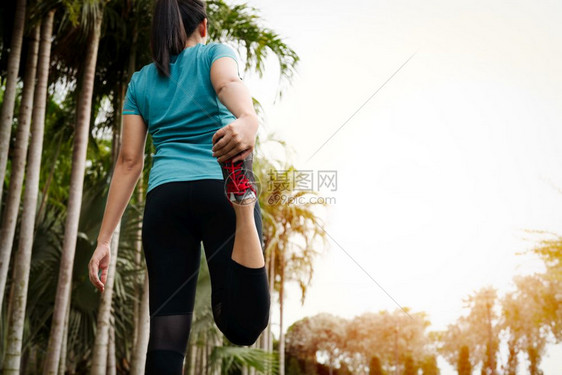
(443, 170)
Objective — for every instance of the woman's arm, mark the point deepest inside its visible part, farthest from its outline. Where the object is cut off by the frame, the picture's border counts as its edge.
(128, 168)
(239, 136)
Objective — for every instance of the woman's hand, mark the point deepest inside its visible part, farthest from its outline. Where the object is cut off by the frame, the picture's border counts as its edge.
(100, 261)
(236, 140)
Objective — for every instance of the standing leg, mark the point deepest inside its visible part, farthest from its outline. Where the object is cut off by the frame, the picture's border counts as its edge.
(172, 250)
(240, 294)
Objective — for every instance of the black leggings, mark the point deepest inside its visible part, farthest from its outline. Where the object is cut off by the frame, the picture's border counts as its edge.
(178, 216)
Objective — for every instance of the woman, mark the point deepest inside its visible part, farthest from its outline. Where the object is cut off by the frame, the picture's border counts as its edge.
(201, 188)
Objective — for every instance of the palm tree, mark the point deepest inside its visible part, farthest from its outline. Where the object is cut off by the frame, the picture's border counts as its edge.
(101, 345)
(10, 217)
(141, 315)
(85, 301)
(142, 329)
(283, 224)
(103, 348)
(23, 255)
(291, 228)
(76, 185)
(64, 345)
(10, 92)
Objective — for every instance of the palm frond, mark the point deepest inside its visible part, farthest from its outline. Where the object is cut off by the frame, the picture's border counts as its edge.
(232, 358)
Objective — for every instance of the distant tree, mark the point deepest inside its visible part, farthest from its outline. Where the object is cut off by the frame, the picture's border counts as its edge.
(484, 327)
(550, 251)
(375, 367)
(293, 367)
(534, 357)
(489, 365)
(384, 333)
(310, 366)
(512, 361)
(409, 366)
(463, 365)
(323, 333)
(299, 340)
(479, 330)
(452, 339)
(523, 317)
(344, 369)
(429, 366)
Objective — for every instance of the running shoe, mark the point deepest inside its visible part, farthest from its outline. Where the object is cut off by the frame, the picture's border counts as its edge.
(240, 185)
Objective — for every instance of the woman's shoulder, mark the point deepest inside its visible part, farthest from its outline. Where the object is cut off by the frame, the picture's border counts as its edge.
(140, 75)
(210, 45)
(218, 47)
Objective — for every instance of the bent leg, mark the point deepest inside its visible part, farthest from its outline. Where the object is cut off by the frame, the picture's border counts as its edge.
(240, 294)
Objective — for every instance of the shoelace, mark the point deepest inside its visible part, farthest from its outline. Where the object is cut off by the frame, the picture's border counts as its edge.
(238, 182)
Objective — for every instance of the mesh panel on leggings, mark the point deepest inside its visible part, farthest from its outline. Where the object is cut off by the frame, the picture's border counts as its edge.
(169, 332)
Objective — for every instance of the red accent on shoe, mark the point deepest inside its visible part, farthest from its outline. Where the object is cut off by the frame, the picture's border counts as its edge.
(237, 182)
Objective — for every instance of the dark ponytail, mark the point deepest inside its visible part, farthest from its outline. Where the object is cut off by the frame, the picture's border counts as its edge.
(172, 24)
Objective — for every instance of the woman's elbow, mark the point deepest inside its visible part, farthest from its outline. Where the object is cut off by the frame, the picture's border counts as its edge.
(131, 164)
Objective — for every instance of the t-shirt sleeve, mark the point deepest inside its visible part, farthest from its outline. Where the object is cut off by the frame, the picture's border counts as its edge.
(219, 50)
(130, 106)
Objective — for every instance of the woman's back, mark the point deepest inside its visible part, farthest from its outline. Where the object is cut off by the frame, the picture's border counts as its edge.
(182, 113)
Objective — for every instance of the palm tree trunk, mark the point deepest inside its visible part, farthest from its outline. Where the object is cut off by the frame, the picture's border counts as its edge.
(204, 355)
(252, 369)
(64, 346)
(281, 335)
(99, 356)
(195, 358)
(263, 336)
(10, 217)
(23, 256)
(30, 365)
(45, 192)
(9, 100)
(102, 346)
(271, 291)
(198, 360)
(111, 365)
(271, 276)
(139, 353)
(219, 343)
(74, 199)
(192, 357)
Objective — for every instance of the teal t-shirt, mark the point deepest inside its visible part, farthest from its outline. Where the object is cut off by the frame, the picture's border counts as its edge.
(182, 113)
